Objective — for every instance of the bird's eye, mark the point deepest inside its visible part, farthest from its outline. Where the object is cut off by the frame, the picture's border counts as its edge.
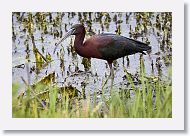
(74, 31)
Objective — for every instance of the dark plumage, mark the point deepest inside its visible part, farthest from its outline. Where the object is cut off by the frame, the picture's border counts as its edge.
(120, 46)
(104, 46)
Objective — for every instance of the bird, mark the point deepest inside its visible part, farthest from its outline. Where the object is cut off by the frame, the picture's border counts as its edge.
(105, 46)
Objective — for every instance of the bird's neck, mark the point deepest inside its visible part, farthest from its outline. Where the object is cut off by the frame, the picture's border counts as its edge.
(79, 40)
(78, 43)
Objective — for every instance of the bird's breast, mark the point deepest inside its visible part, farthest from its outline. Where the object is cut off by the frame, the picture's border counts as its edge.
(89, 49)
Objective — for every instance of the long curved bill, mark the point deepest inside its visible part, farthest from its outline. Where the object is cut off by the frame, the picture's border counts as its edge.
(70, 32)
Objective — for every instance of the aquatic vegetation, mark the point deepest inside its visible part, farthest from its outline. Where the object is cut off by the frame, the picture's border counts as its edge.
(152, 100)
(66, 85)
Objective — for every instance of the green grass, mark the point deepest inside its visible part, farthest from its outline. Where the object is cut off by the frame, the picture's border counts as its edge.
(151, 99)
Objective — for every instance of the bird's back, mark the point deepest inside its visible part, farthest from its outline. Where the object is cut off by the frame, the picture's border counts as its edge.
(112, 46)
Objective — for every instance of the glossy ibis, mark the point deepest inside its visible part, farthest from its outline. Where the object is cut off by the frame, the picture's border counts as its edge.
(104, 46)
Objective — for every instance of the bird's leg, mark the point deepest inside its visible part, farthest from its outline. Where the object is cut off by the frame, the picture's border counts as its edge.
(112, 76)
(105, 82)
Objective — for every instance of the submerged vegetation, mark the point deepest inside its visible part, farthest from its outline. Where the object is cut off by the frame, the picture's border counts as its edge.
(65, 85)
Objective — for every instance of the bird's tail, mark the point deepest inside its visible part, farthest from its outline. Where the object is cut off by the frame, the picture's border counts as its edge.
(141, 46)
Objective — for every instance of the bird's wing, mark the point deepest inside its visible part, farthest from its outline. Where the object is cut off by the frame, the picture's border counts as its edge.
(120, 46)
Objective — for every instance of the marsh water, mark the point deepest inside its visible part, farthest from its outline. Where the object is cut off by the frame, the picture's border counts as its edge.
(41, 31)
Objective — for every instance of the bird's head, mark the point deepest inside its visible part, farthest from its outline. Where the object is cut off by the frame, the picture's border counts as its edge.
(77, 29)
(74, 30)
